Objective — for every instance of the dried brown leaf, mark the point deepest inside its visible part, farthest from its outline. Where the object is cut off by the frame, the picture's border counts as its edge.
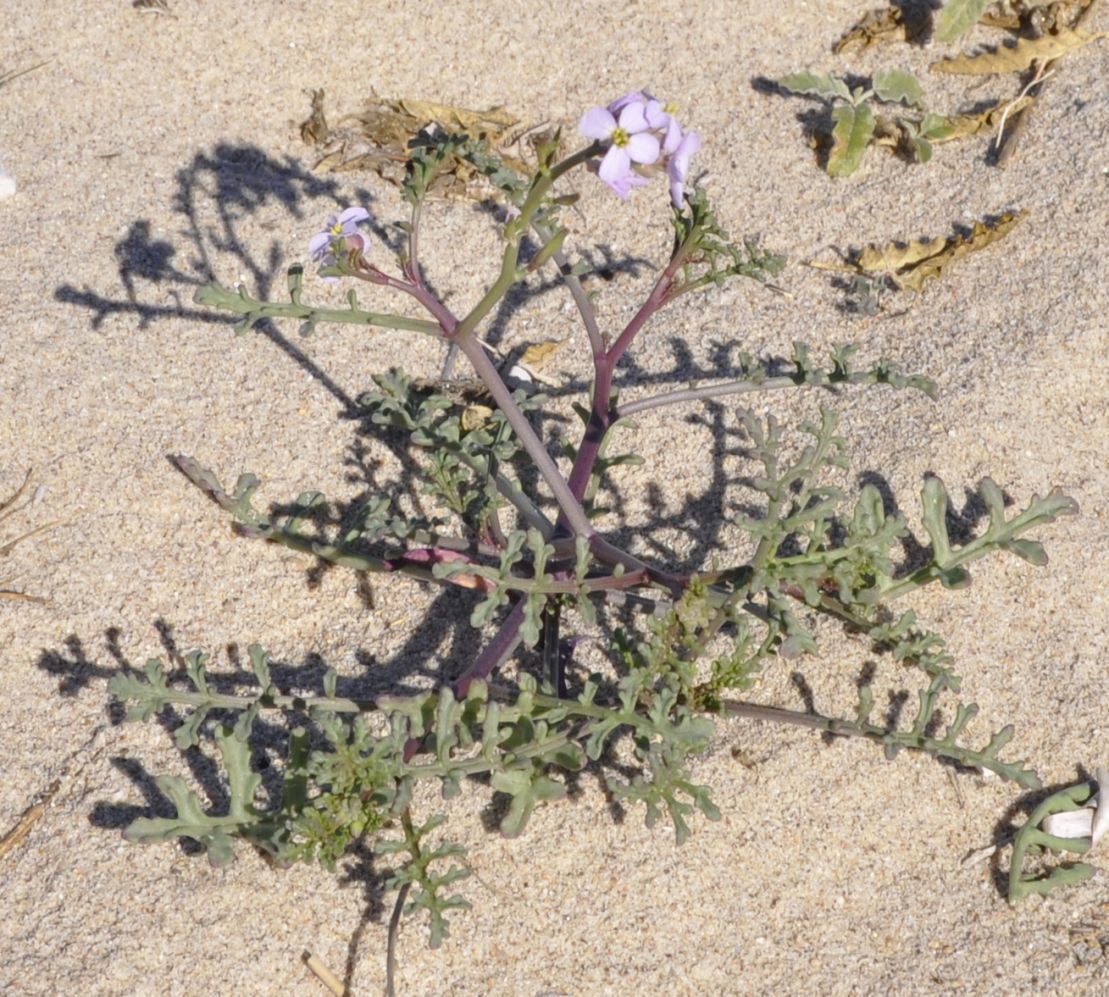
(1035, 16)
(537, 356)
(13, 838)
(962, 125)
(910, 265)
(475, 417)
(1020, 56)
(377, 139)
(492, 121)
(894, 256)
(314, 130)
(883, 24)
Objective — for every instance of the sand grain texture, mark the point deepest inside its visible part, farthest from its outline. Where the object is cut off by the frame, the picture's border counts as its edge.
(153, 149)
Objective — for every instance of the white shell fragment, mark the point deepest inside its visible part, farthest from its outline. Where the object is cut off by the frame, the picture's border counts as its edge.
(1070, 823)
(1090, 822)
(7, 185)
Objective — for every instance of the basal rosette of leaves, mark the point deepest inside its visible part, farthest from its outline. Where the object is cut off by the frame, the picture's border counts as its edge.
(522, 533)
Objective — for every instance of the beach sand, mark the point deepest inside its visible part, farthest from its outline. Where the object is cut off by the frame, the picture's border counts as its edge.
(152, 150)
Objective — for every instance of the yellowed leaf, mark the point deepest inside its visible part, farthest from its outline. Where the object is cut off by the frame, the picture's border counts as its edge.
(981, 236)
(878, 25)
(909, 266)
(537, 356)
(494, 119)
(1020, 56)
(894, 256)
(475, 417)
(962, 125)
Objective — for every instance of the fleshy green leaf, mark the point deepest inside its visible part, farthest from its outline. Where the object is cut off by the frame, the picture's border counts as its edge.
(816, 85)
(1029, 550)
(958, 17)
(897, 85)
(851, 135)
(934, 499)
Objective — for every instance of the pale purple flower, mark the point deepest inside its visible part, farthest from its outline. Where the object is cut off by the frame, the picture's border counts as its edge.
(623, 186)
(635, 97)
(677, 167)
(631, 142)
(341, 227)
(641, 130)
(660, 118)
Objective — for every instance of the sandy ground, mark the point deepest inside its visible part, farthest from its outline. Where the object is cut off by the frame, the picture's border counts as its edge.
(152, 149)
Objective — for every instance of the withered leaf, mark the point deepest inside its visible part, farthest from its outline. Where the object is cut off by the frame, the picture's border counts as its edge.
(888, 133)
(461, 391)
(1020, 56)
(538, 355)
(894, 256)
(314, 130)
(477, 123)
(910, 265)
(378, 139)
(475, 417)
(882, 24)
(961, 125)
(1036, 16)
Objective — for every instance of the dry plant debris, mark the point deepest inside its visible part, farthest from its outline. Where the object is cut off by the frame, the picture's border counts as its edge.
(1020, 56)
(8, 507)
(910, 264)
(880, 25)
(378, 139)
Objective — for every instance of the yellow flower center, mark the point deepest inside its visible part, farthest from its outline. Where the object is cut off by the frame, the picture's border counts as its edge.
(620, 137)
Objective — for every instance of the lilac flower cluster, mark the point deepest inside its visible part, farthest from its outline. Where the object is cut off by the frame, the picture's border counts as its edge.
(641, 131)
(322, 246)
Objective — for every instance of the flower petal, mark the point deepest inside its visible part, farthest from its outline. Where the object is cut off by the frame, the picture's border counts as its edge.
(615, 166)
(633, 119)
(353, 216)
(643, 148)
(1100, 823)
(318, 245)
(597, 123)
(673, 137)
(656, 116)
(622, 187)
(635, 97)
(677, 169)
(1069, 823)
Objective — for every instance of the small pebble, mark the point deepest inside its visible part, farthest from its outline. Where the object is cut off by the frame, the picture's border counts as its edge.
(7, 186)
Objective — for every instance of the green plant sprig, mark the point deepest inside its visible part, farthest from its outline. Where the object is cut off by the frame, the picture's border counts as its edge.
(1031, 838)
(239, 302)
(856, 123)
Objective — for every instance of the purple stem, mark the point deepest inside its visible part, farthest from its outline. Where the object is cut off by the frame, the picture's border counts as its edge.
(495, 653)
